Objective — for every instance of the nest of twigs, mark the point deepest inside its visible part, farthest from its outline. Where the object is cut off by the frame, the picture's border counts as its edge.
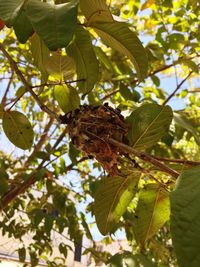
(91, 127)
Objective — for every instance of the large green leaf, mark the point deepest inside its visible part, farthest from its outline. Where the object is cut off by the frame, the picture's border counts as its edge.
(95, 10)
(112, 198)
(187, 125)
(87, 66)
(55, 24)
(18, 129)
(148, 124)
(9, 10)
(67, 97)
(185, 218)
(23, 28)
(40, 54)
(120, 37)
(152, 212)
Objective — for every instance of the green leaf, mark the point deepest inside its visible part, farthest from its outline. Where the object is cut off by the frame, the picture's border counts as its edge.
(67, 97)
(9, 10)
(22, 254)
(1, 111)
(63, 249)
(40, 54)
(55, 24)
(18, 129)
(38, 216)
(95, 10)
(148, 124)
(191, 64)
(112, 198)
(151, 213)
(129, 259)
(23, 28)
(127, 94)
(73, 153)
(3, 181)
(59, 66)
(185, 218)
(187, 125)
(103, 58)
(87, 67)
(120, 37)
(48, 223)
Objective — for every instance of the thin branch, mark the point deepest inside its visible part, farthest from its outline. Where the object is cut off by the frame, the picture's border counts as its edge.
(177, 88)
(182, 161)
(146, 171)
(161, 69)
(14, 66)
(40, 143)
(14, 192)
(145, 157)
(3, 101)
(57, 83)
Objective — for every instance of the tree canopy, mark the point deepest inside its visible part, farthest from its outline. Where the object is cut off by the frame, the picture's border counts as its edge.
(101, 102)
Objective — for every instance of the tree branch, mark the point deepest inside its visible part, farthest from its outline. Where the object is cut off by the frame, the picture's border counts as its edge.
(145, 157)
(182, 161)
(177, 88)
(57, 83)
(14, 66)
(14, 192)
(3, 101)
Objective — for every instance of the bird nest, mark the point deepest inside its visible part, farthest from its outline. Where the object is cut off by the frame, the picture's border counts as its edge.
(91, 127)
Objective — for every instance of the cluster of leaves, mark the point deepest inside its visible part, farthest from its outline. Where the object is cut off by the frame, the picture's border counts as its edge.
(59, 54)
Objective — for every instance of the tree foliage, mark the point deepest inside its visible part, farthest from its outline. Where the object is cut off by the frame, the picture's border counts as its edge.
(142, 57)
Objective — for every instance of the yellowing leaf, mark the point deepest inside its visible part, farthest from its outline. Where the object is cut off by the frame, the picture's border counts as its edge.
(87, 66)
(40, 53)
(152, 212)
(118, 36)
(18, 129)
(95, 10)
(67, 97)
(112, 198)
(60, 66)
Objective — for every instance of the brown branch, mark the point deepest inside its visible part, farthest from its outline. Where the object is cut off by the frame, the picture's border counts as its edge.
(145, 171)
(161, 69)
(182, 161)
(40, 143)
(14, 192)
(177, 88)
(21, 188)
(14, 66)
(57, 83)
(3, 101)
(145, 157)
